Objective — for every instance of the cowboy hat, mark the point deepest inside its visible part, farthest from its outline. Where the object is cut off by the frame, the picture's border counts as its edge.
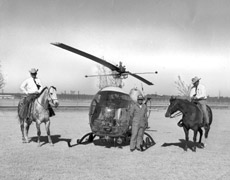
(33, 71)
(195, 79)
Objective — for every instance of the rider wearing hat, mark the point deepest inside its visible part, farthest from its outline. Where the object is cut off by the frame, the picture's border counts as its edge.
(198, 94)
(31, 87)
(138, 114)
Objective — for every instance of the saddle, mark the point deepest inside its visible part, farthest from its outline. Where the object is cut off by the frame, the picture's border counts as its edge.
(180, 123)
(25, 106)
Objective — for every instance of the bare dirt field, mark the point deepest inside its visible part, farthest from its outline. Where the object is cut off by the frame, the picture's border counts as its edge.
(165, 160)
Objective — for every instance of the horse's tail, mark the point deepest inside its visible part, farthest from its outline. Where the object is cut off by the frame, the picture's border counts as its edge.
(210, 115)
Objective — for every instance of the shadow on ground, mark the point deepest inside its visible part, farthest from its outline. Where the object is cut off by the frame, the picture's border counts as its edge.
(55, 139)
(182, 143)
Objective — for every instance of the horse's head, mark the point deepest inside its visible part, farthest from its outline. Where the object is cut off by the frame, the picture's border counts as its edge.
(173, 107)
(53, 100)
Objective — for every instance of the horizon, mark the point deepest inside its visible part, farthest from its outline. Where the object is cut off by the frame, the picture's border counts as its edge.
(83, 94)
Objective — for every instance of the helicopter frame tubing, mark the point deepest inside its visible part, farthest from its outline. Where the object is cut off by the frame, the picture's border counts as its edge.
(147, 140)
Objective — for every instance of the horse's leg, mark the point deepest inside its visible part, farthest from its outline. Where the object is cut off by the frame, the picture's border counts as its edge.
(22, 130)
(38, 133)
(26, 130)
(194, 140)
(201, 134)
(206, 128)
(186, 138)
(27, 127)
(48, 131)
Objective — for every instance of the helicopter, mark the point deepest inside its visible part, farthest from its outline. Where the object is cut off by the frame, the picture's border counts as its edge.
(109, 116)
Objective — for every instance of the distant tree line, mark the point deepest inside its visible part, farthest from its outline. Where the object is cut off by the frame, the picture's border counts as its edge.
(2, 80)
(154, 97)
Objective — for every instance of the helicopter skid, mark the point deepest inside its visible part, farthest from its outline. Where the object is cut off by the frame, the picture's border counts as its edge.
(147, 141)
(125, 140)
(89, 140)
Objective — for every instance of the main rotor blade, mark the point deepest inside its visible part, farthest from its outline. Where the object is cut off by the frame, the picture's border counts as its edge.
(89, 56)
(147, 73)
(141, 78)
(99, 75)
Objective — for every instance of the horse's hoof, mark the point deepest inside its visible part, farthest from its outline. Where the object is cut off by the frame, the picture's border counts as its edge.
(51, 144)
(194, 149)
(25, 141)
(201, 145)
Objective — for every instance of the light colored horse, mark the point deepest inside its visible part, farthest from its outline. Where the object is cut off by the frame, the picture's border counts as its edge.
(40, 113)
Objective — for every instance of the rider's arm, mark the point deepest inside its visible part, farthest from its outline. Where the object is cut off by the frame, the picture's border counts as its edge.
(23, 87)
(146, 117)
(193, 93)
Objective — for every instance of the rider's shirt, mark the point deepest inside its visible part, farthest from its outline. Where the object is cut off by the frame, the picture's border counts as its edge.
(29, 86)
(199, 92)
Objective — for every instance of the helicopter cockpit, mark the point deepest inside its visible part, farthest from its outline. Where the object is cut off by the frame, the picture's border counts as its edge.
(109, 112)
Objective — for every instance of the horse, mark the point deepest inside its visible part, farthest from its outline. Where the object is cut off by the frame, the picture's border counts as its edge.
(39, 113)
(192, 118)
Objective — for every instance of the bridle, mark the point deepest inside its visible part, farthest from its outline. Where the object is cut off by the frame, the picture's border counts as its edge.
(50, 99)
(175, 115)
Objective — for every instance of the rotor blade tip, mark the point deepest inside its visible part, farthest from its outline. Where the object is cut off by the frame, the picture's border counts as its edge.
(55, 44)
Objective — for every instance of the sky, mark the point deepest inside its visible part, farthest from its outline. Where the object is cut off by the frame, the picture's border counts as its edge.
(174, 37)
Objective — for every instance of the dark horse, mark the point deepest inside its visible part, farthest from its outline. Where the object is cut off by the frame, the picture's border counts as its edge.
(192, 118)
(39, 113)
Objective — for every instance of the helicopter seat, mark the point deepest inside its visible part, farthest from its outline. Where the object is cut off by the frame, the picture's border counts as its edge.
(122, 116)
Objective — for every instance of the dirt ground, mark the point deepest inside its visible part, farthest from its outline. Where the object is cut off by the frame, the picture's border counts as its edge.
(165, 160)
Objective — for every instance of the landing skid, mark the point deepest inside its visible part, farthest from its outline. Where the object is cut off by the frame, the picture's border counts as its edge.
(84, 139)
(147, 141)
(89, 137)
(89, 140)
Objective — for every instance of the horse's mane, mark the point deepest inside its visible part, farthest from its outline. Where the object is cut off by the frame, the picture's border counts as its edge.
(53, 88)
(47, 88)
(43, 90)
(186, 101)
(181, 99)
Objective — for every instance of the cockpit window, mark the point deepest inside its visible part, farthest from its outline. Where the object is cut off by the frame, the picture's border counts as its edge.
(114, 99)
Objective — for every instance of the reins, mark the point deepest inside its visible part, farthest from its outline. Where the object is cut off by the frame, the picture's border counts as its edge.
(177, 114)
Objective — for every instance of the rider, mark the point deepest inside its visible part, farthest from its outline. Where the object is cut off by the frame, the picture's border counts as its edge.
(31, 87)
(198, 94)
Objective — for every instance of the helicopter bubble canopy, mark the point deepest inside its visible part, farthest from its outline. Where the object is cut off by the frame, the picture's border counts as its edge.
(109, 112)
